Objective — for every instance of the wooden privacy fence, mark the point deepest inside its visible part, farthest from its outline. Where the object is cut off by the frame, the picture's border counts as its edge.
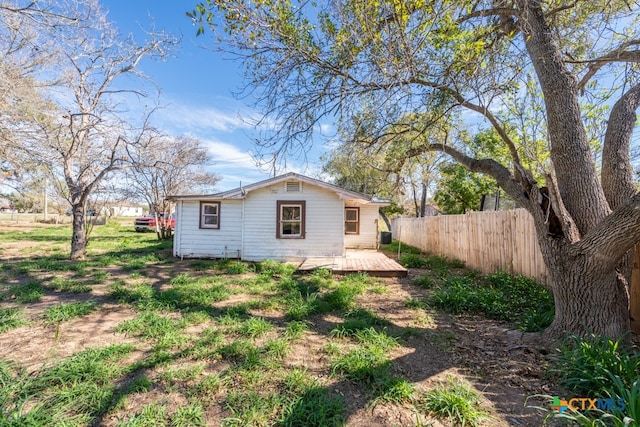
(485, 241)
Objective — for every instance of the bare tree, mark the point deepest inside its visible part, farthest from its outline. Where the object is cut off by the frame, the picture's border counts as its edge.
(164, 166)
(81, 131)
(311, 62)
(26, 51)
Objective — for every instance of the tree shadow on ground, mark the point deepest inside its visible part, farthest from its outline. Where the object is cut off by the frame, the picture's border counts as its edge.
(428, 356)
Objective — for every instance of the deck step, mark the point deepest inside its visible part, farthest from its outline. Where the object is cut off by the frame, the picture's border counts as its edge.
(371, 262)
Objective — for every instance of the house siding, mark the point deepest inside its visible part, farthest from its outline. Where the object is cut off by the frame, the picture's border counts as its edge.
(324, 224)
(368, 236)
(191, 241)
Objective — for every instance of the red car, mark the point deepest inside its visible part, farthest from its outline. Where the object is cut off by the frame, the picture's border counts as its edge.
(148, 223)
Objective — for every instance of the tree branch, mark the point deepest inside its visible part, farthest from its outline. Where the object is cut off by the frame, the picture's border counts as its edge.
(620, 54)
(611, 238)
(498, 11)
(560, 9)
(617, 172)
(569, 228)
(483, 111)
(501, 174)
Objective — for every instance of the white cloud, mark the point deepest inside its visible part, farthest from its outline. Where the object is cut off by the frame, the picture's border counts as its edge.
(223, 131)
(229, 154)
(327, 129)
(192, 118)
(233, 164)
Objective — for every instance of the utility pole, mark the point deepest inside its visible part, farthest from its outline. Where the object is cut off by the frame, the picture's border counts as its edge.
(46, 200)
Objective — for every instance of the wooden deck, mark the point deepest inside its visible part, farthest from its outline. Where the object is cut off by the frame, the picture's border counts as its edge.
(372, 262)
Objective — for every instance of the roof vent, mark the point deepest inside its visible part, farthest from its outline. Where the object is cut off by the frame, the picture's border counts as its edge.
(293, 187)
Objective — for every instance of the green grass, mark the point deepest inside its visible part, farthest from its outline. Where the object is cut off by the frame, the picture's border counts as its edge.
(415, 303)
(11, 318)
(150, 325)
(404, 249)
(190, 292)
(250, 408)
(63, 311)
(295, 329)
(254, 327)
(135, 293)
(275, 268)
(172, 379)
(99, 276)
(73, 391)
(69, 285)
(456, 402)
(358, 320)
(188, 416)
(314, 406)
(585, 367)
(211, 355)
(185, 293)
(393, 389)
(518, 300)
(515, 299)
(242, 353)
(44, 264)
(153, 414)
(425, 281)
(29, 292)
(237, 267)
(319, 293)
(368, 363)
(413, 261)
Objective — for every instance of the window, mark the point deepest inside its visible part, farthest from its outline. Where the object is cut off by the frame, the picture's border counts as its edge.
(290, 220)
(209, 214)
(352, 220)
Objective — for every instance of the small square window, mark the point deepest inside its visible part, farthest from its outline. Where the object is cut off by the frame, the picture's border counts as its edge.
(209, 214)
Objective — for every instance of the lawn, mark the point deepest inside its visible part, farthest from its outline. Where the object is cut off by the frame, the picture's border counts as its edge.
(131, 336)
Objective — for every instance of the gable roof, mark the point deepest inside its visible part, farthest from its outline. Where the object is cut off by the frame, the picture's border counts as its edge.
(241, 192)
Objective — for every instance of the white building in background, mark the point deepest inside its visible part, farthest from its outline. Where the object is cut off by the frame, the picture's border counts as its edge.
(125, 210)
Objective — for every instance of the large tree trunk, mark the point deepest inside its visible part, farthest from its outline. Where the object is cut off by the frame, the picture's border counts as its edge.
(79, 234)
(587, 299)
(591, 296)
(423, 200)
(591, 292)
(586, 305)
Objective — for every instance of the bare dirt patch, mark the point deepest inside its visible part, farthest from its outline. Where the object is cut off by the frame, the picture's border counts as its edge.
(507, 367)
(36, 345)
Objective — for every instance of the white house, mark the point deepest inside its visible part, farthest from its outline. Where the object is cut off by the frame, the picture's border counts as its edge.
(289, 217)
(126, 210)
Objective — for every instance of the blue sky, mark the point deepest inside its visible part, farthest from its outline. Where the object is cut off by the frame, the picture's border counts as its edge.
(196, 91)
